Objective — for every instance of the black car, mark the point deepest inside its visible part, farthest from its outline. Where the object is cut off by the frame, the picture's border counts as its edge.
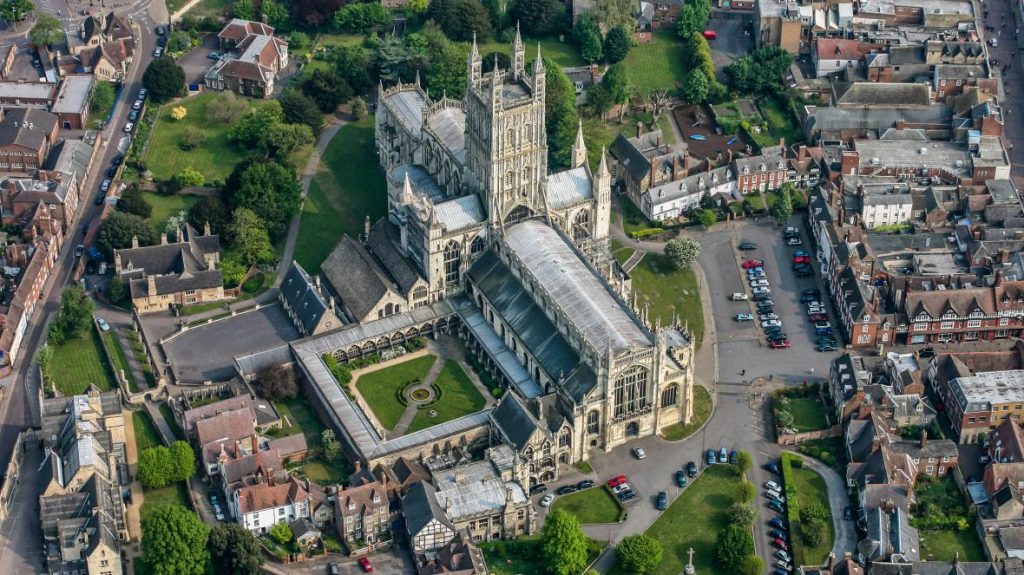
(662, 501)
(160, 31)
(691, 469)
(566, 489)
(777, 523)
(772, 466)
(807, 298)
(117, 160)
(848, 513)
(585, 484)
(680, 478)
(99, 198)
(133, 115)
(765, 308)
(762, 297)
(161, 41)
(747, 246)
(626, 495)
(813, 291)
(777, 338)
(90, 268)
(926, 352)
(539, 488)
(776, 534)
(111, 171)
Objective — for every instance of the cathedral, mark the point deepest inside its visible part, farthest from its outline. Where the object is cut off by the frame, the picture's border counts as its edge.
(476, 222)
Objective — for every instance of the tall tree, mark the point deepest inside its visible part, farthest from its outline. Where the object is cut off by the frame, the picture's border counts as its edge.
(209, 210)
(732, 546)
(696, 87)
(563, 544)
(15, 10)
(693, 18)
(588, 36)
(617, 44)
(682, 252)
(639, 554)
(155, 467)
(760, 72)
(361, 17)
(234, 550)
(327, 89)
(614, 13)
(249, 237)
(540, 17)
(277, 14)
(299, 108)
(116, 233)
(283, 139)
(133, 202)
(560, 115)
(314, 13)
(164, 79)
(619, 86)
(102, 96)
(599, 99)
(226, 108)
(460, 19)
(782, 210)
(276, 382)
(352, 63)
(268, 189)
(174, 541)
(183, 460)
(73, 317)
(46, 31)
(752, 565)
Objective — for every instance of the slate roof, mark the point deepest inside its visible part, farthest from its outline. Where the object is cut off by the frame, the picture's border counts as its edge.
(303, 298)
(352, 273)
(383, 243)
(449, 125)
(569, 188)
(14, 130)
(514, 420)
(885, 94)
(420, 507)
(460, 213)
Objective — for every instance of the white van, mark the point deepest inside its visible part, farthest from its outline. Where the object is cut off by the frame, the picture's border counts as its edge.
(102, 269)
(739, 297)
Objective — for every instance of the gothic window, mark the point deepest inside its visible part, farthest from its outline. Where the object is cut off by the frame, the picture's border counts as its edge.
(668, 397)
(389, 309)
(419, 293)
(477, 246)
(510, 138)
(581, 225)
(564, 438)
(510, 178)
(519, 213)
(452, 259)
(631, 390)
(593, 421)
(528, 132)
(526, 175)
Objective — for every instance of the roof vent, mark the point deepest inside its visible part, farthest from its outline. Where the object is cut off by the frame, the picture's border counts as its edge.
(923, 151)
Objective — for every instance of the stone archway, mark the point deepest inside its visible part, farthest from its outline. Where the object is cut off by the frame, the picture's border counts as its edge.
(632, 429)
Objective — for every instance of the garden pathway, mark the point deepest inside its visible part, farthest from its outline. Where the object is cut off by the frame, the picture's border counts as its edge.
(410, 410)
(141, 384)
(132, 510)
(838, 498)
(162, 427)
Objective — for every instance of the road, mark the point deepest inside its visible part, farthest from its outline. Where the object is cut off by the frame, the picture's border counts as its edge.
(1006, 20)
(21, 546)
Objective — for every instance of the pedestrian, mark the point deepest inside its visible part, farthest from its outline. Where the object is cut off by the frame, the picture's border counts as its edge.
(743, 372)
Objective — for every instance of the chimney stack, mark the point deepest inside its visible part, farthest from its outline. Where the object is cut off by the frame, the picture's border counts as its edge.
(151, 284)
(206, 228)
(924, 438)
(135, 242)
(639, 129)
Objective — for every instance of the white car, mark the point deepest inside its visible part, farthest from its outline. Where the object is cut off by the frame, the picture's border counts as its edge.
(758, 290)
(782, 564)
(104, 326)
(771, 323)
(137, 105)
(546, 500)
(755, 273)
(767, 316)
(639, 453)
(772, 486)
(759, 282)
(739, 297)
(794, 242)
(815, 310)
(128, 128)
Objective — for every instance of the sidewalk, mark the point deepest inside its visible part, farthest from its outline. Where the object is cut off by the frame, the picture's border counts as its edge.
(133, 509)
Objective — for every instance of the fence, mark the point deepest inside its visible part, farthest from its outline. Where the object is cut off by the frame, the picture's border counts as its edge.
(798, 438)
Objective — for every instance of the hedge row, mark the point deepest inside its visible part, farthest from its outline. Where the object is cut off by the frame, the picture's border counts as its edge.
(789, 461)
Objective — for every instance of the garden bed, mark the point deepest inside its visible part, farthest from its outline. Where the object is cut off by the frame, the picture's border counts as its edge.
(944, 521)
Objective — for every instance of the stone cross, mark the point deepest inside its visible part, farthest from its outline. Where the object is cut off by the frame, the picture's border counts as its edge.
(689, 566)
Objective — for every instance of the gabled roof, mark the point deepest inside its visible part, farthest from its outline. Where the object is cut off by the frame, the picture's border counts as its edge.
(302, 297)
(263, 496)
(420, 507)
(514, 420)
(26, 127)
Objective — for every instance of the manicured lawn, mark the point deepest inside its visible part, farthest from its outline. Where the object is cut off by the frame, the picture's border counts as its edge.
(348, 187)
(340, 39)
(702, 405)
(120, 361)
(694, 520)
(940, 506)
(177, 493)
(563, 53)
(201, 307)
(78, 363)
(943, 545)
(657, 65)
(458, 397)
(214, 8)
(380, 388)
(301, 418)
(166, 206)
(808, 414)
(523, 556)
(146, 435)
(781, 123)
(165, 410)
(320, 472)
(583, 467)
(213, 158)
(594, 505)
(810, 488)
(669, 290)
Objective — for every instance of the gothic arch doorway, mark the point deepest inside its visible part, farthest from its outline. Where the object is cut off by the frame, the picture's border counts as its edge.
(632, 429)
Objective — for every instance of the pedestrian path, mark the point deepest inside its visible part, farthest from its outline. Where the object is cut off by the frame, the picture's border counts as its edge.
(133, 362)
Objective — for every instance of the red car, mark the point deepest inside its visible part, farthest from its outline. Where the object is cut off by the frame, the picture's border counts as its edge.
(753, 264)
(817, 317)
(784, 344)
(802, 260)
(710, 34)
(364, 564)
(780, 544)
(616, 481)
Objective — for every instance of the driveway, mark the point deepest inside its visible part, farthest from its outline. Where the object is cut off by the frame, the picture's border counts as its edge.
(196, 63)
(391, 562)
(733, 41)
(207, 353)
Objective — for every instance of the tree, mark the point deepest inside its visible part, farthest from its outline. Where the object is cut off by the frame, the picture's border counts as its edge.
(253, 130)
(314, 13)
(283, 139)
(619, 86)
(102, 96)
(46, 31)
(15, 10)
(361, 17)
(133, 202)
(617, 44)
(696, 87)
(560, 114)
(744, 462)
(330, 445)
(249, 236)
(352, 63)
(281, 533)
(693, 18)
(117, 293)
(460, 19)
(189, 177)
(244, 9)
(563, 544)
(588, 36)
(746, 491)
(616, 13)
(191, 138)
(74, 316)
(299, 108)
(443, 61)
(234, 549)
(276, 382)
(276, 14)
(732, 546)
(226, 108)
(327, 89)
(760, 72)
(298, 41)
(268, 189)
(752, 565)
(599, 99)
(182, 461)
(742, 513)
(682, 252)
(784, 419)
(179, 41)
(417, 6)
(358, 108)
(116, 233)
(155, 467)
(178, 113)
(164, 79)
(540, 17)
(813, 531)
(639, 554)
(209, 210)
(174, 541)
(708, 218)
(783, 207)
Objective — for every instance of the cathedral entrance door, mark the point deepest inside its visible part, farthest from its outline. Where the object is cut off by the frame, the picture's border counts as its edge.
(632, 429)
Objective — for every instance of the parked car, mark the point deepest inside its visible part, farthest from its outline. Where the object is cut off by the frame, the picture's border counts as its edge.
(627, 495)
(776, 507)
(99, 198)
(160, 31)
(744, 317)
(759, 283)
(812, 291)
(776, 534)
(783, 565)
(158, 51)
(753, 264)
(111, 171)
(779, 344)
(662, 501)
(794, 241)
(105, 186)
(767, 316)
(332, 569)
(760, 290)
(639, 453)
(541, 488)
(771, 485)
(137, 105)
(102, 323)
(709, 34)
(143, 93)
(732, 457)
(723, 456)
(546, 500)
(754, 273)
(617, 480)
(364, 564)
(768, 301)
(711, 457)
(777, 336)
(566, 489)
(783, 556)
(134, 115)
(585, 484)
(822, 325)
(214, 55)
(848, 513)
(825, 347)
(747, 246)
(771, 323)
(759, 297)
(691, 469)
(128, 128)
(777, 523)
(816, 317)
(779, 543)
(738, 297)
(779, 571)
(161, 41)
(808, 298)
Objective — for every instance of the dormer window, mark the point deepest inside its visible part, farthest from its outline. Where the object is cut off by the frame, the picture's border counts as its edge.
(351, 505)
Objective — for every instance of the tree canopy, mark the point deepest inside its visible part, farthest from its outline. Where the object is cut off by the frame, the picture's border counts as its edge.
(560, 114)
(360, 17)
(102, 96)
(210, 210)
(563, 544)
(760, 72)
(617, 44)
(587, 34)
(46, 31)
(693, 18)
(639, 554)
(696, 88)
(133, 202)
(161, 466)
(782, 209)
(276, 382)
(733, 545)
(235, 550)
(116, 233)
(15, 10)
(352, 64)
(269, 189)
(174, 541)
(74, 316)
(164, 79)
(540, 17)
(460, 19)
(327, 89)
(249, 237)
(299, 108)
(682, 252)
(617, 13)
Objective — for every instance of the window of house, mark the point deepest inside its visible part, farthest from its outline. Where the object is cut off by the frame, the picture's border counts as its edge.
(974, 323)
(1004, 321)
(947, 325)
(930, 469)
(920, 326)
(1001, 333)
(945, 459)
(863, 338)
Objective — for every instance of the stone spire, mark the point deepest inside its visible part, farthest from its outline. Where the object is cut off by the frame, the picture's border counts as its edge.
(538, 75)
(474, 65)
(602, 169)
(518, 56)
(579, 148)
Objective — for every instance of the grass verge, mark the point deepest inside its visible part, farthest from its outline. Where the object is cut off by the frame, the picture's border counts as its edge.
(79, 363)
(146, 435)
(594, 505)
(702, 406)
(669, 290)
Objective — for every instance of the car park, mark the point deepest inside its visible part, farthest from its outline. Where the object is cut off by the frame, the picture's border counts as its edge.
(767, 316)
(744, 317)
(772, 466)
(779, 344)
(758, 283)
(364, 564)
(691, 469)
(783, 556)
(771, 323)
(662, 501)
(753, 264)
(546, 500)
(747, 246)
(738, 297)
(566, 489)
(680, 478)
(585, 484)
(639, 452)
(777, 523)
(541, 488)
(134, 115)
(617, 480)
(711, 457)
(762, 289)
(762, 297)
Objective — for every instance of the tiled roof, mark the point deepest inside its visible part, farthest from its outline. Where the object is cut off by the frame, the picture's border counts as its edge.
(265, 496)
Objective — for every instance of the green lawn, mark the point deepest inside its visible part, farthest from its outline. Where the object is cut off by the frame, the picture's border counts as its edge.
(348, 187)
(669, 290)
(458, 397)
(120, 361)
(146, 435)
(694, 520)
(213, 158)
(808, 414)
(810, 488)
(939, 503)
(380, 388)
(165, 206)
(563, 53)
(943, 545)
(657, 64)
(207, 8)
(78, 363)
(177, 493)
(165, 410)
(201, 307)
(302, 418)
(523, 556)
(701, 411)
(781, 123)
(341, 39)
(594, 505)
